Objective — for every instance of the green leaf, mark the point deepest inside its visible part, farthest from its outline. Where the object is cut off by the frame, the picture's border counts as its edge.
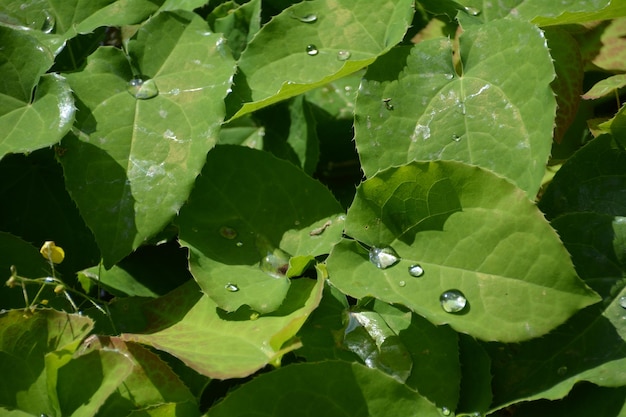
(605, 87)
(133, 163)
(421, 109)
(31, 120)
(434, 354)
(260, 215)
(24, 343)
(331, 389)
(469, 231)
(347, 35)
(136, 275)
(150, 382)
(228, 345)
(238, 23)
(584, 185)
(67, 18)
(290, 132)
(589, 347)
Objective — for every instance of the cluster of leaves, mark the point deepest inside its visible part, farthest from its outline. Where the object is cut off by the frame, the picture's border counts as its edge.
(195, 164)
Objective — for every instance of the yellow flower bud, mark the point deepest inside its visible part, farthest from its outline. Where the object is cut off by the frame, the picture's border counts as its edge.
(52, 252)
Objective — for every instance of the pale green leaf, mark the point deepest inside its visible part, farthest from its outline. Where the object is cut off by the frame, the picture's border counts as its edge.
(469, 231)
(417, 107)
(229, 345)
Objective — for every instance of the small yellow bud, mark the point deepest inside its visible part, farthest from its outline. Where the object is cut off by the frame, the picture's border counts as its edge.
(52, 252)
(59, 289)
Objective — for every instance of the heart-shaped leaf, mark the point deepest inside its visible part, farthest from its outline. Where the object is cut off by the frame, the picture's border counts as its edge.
(458, 245)
(414, 105)
(142, 141)
(31, 121)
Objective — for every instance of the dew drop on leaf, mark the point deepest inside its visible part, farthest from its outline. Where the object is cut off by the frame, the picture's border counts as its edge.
(453, 301)
(472, 10)
(562, 370)
(312, 50)
(142, 89)
(416, 270)
(449, 76)
(402, 283)
(309, 18)
(343, 55)
(228, 232)
(383, 257)
(622, 301)
(445, 411)
(48, 23)
(456, 138)
(239, 244)
(231, 287)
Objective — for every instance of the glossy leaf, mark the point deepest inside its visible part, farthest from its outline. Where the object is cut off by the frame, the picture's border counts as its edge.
(606, 87)
(431, 112)
(470, 231)
(133, 162)
(228, 345)
(31, 120)
(252, 219)
(331, 389)
(342, 37)
(238, 23)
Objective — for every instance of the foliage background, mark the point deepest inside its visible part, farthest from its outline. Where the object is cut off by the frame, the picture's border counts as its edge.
(219, 178)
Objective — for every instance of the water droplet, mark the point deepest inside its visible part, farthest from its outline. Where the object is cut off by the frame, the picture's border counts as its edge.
(239, 244)
(275, 263)
(142, 89)
(449, 76)
(416, 270)
(453, 301)
(472, 10)
(231, 287)
(456, 138)
(383, 257)
(622, 301)
(402, 283)
(562, 370)
(48, 23)
(228, 232)
(312, 50)
(343, 55)
(388, 104)
(445, 411)
(309, 18)
(254, 316)
(49, 279)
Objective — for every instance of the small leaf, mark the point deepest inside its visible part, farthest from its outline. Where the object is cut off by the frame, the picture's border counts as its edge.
(605, 87)
(469, 231)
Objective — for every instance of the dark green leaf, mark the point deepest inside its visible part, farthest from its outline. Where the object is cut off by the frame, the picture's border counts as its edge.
(260, 215)
(329, 389)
